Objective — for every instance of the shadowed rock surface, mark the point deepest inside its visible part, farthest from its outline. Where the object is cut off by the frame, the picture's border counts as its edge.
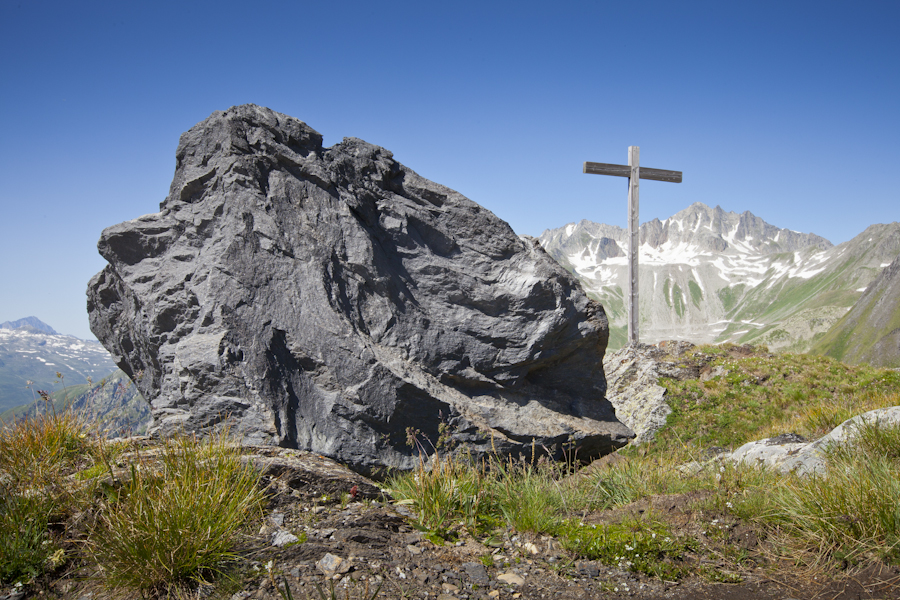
(331, 299)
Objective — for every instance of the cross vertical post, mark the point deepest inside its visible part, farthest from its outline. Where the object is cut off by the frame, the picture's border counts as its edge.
(634, 173)
(634, 242)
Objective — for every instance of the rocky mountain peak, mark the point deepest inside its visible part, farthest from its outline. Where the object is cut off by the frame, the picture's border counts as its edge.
(708, 275)
(714, 229)
(32, 324)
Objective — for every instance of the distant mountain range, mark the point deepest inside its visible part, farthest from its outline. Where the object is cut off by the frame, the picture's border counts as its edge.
(707, 275)
(32, 324)
(31, 351)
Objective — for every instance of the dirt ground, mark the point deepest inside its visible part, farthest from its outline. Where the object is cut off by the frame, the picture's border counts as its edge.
(351, 549)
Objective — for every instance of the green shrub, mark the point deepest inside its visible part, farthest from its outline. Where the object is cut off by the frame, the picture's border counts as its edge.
(642, 545)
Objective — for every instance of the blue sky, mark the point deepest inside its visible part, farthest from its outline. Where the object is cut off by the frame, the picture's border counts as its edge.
(786, 109)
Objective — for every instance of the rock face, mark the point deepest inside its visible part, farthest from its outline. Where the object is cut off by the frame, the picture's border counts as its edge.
(640, 402)
(331, 299)
(633, 374)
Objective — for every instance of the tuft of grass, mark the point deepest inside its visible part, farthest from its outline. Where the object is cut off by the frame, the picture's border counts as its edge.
(850, 511)
(449, 495)
(25, 544)
(533, 496)
(175, 522)
(36, 456)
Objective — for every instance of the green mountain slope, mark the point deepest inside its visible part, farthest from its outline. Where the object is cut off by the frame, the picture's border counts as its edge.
(113, 405)
(819, 300)
(30, 354)
(870, 332)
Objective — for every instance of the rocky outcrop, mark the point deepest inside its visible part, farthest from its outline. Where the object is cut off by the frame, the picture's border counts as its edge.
(331, 299)
(633, 374)
(790, 452)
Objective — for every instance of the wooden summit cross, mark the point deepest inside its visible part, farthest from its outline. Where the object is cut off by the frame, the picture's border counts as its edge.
(634, 173)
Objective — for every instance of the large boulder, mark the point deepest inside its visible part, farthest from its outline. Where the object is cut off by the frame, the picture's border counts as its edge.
(333, 300)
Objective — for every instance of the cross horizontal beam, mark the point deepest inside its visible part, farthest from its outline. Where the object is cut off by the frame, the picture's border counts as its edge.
(625, 171)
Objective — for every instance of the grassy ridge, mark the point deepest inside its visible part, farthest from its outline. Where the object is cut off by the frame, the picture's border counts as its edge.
(753, 397)
(811, 520)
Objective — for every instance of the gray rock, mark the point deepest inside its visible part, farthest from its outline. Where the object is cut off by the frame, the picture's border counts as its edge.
(633, 374)
(788, 453)
(766, 452)
(331, 299)
(310, 474)
(476, 572)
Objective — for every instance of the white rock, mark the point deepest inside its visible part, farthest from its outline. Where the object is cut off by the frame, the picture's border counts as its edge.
(511, 579)
(282, 538)
(809, 457)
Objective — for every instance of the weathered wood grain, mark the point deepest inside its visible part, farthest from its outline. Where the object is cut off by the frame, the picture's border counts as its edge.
(634, 241)
(634, 172)
(595, 168)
